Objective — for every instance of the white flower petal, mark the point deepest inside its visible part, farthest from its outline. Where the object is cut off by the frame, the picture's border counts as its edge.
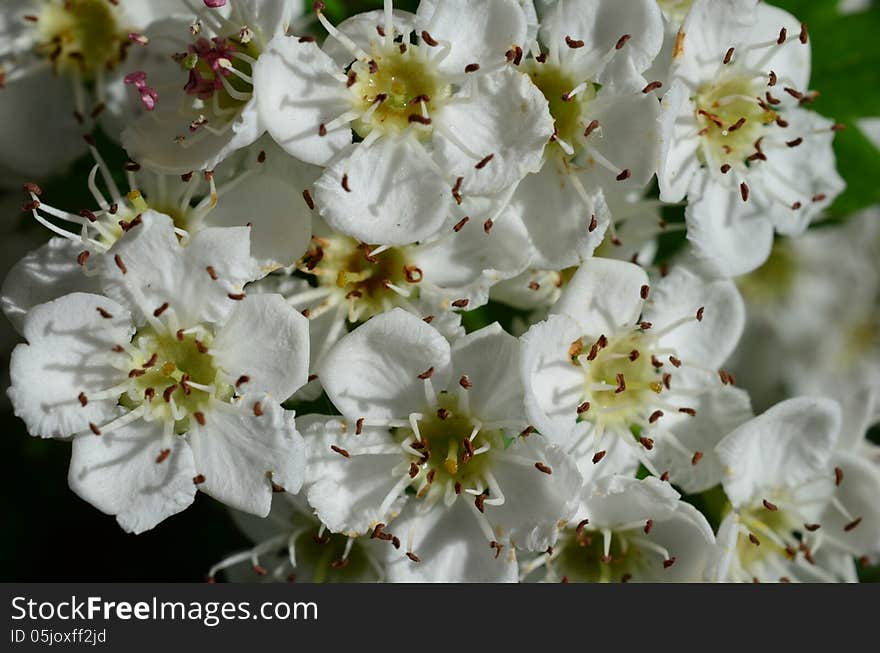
(724, 558)
(465, 264)
(678, 162)
(629, 132)
(452, 548)
(522, 293)
(600, 24)
(348, 491)
(689, 539)
(553, 386)
(490, 358)
(41, 276)
(805, 175)
(160, 270)
(267, 17)
(297, 91)
(118, 473)
(239, 452)
(142, 14)
(534, 502)
(68, 353)
(787, 445)
(557, 218)
(614, 501)
(857, 492)
(394, 195)
(502, 115)
(18, 35)
(362, 29)
(281, 222)
(603, 295)
(791, 62)
(707, 342)
(730, 237)
(710, 28)
(153, 139)
(621, 458)
(266, 340)
(374, 371)
(479, 32)
(719, 412)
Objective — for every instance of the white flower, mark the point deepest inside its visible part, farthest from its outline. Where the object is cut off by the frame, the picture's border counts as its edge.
(434, 111)
(737, 140)
(433, 450)
(629, 530)
(636, 224)
(792, 513)
(342, 282)
(169, 380)
(606, 122)
(291, 545)
(814, 315)
(205, 107)
(60, 69)
(619, 359)
(262, 192)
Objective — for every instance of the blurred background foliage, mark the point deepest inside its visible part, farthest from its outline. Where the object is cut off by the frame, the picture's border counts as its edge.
(52, 535)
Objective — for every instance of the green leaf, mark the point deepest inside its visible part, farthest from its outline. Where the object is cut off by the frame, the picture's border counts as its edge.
(858, 162)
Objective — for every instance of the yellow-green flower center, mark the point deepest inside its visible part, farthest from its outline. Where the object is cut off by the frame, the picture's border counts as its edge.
(620, 377)
(568, 111)
(175, 375)
(581, 557)
(454, 453)
(82, 35)
(767, 532)
(395, 89)
(733, 118)
(321, 558)
(371, 283)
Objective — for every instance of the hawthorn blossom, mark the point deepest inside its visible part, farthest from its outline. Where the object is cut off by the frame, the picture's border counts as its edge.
(813, 317)
(433, 453)
(291, 545)
(260, 191)
(169, 381)
(629, 530)
(738, 141)
(410, 113)
(60, 63)
(636, 224)
(793, 513)
(341, 282)
(606, 122)
(617, 361)
(204, 107)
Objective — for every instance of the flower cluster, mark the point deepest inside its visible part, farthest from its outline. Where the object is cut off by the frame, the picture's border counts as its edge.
(307, 220)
